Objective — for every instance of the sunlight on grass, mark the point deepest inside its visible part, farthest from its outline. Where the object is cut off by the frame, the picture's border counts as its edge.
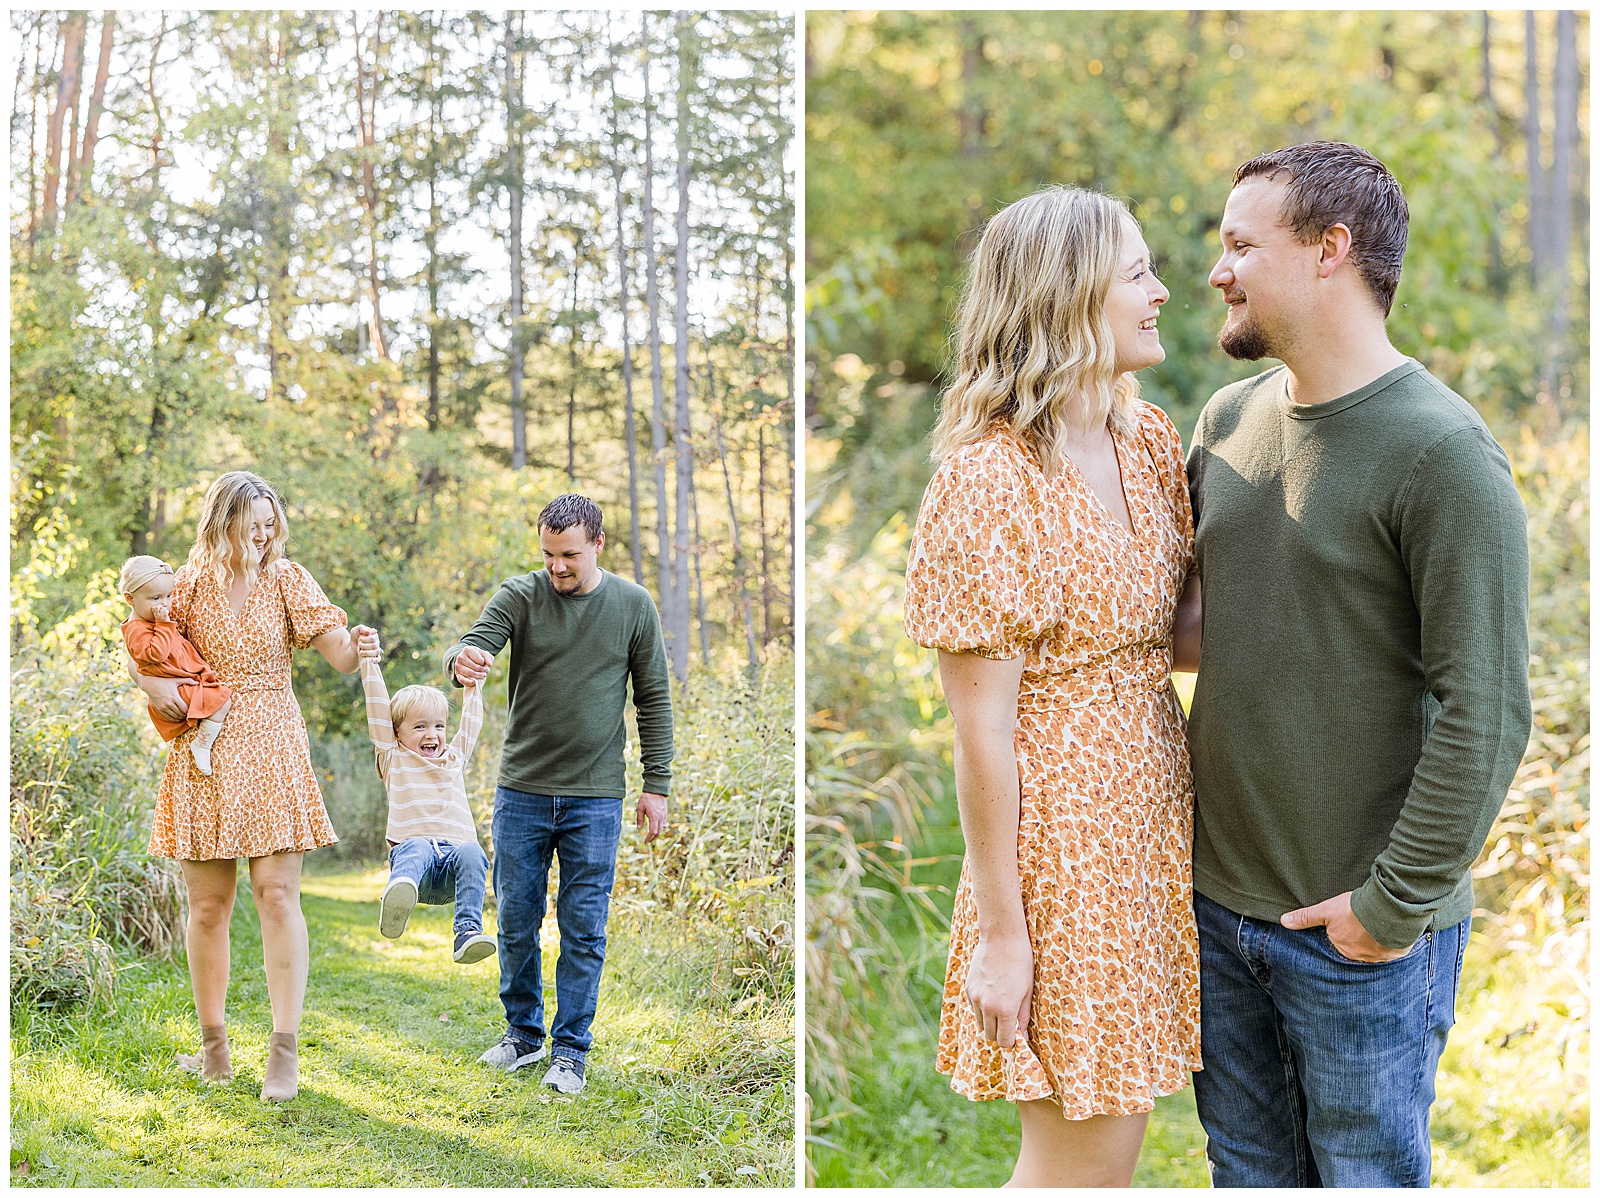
(391, 1091)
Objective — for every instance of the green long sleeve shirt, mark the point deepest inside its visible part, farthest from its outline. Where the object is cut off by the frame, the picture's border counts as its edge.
(572, 657)
(1362, 700)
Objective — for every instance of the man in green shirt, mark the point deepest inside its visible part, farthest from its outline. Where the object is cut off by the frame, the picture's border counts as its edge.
(1361, 704)
(578, 634)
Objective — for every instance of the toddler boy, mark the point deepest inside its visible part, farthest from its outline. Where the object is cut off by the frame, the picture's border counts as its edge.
(434, 855)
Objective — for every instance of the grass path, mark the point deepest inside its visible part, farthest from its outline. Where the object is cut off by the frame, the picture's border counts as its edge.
(680, 1091)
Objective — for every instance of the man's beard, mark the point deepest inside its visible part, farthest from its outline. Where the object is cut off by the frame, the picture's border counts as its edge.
(1243, 339)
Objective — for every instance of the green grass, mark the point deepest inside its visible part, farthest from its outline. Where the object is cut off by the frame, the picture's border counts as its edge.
(681, 1091)
(1512, 1105)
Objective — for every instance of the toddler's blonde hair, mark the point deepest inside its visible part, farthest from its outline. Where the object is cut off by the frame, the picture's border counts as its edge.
(430, 698)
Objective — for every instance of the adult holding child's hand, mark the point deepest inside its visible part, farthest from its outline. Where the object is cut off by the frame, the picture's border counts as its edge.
(579, 637)
(245, 606)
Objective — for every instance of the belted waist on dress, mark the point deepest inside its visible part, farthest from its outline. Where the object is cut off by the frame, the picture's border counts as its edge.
(277, 680)
(1133, 673)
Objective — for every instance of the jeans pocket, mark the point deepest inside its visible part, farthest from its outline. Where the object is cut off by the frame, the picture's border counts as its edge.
(1420, 942)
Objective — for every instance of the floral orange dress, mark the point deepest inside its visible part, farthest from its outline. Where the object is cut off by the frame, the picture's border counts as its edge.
(262, 795)
(1006, 562)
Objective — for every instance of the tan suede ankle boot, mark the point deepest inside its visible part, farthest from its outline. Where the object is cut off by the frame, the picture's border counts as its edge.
(212, 1062)
(283, 1068)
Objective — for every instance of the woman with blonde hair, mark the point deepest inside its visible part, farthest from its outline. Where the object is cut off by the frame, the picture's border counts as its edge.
(1052, 554)
(245, 605)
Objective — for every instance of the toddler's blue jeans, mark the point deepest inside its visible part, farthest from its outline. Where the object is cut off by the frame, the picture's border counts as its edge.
(445, 871)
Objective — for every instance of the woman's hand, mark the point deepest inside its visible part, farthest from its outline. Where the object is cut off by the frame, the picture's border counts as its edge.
(161, 692)
(366, 642)
(1000, 987)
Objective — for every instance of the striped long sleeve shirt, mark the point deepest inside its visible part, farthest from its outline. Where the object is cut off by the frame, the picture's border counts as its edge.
(427, 795)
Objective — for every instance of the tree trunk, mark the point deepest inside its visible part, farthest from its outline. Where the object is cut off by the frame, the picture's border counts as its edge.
(791, 542)
(658, 417)
(279, 221)
(82, 173)
(431, 237)
(519, 416)
(33, 129)
(72, 31)
(972, 115)
(367, 119)
(761, 528)
(684, 469)
(629, 433)
(572, 376)
(752, 658)
(699, 584)
(73, 113)
(1565, 99)
(1498, 277)
(1538, 218)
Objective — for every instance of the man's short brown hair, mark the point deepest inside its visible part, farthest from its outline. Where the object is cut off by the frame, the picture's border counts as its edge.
(1334, 183)
(562, 512)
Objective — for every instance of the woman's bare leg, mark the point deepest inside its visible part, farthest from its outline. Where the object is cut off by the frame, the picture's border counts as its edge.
(1102, 1150)
(275, 882)
(211, 886)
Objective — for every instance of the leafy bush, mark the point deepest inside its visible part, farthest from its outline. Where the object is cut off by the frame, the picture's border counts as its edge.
(83, 780)
(725, 861)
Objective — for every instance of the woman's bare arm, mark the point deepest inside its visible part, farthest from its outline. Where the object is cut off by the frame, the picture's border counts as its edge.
(982, 695)
(338, 648)
(1186, 629)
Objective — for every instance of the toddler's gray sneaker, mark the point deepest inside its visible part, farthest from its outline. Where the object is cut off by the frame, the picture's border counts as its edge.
(472, 946)
(565, 1075)
(512, 1054)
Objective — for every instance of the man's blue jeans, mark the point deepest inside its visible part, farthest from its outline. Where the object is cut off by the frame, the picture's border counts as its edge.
(445, 871)
(582, 834)
(1318, 1070)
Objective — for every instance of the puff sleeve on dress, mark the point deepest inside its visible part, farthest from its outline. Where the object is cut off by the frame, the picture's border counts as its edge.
(310, 613)
(972, 578)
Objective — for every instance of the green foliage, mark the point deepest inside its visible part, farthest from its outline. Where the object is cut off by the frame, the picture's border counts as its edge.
(83, 781)
(920, 125)
(724, 863)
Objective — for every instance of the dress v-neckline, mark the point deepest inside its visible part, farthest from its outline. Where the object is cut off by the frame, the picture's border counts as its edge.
(227, 602)
(1130, 529)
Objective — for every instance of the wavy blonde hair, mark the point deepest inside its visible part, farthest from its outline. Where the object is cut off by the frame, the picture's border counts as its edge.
(1032, 344)
(222, 545)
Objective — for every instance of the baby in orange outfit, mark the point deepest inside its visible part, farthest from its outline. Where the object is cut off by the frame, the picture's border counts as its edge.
(161, 651)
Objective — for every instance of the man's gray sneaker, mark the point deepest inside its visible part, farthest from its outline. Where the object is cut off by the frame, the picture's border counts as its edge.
(512, 1054)
(394, 909)
(565, 1075)
(472, 947)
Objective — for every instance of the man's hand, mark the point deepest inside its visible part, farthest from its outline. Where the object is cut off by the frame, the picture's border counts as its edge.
(472, 665)
(366, 641)
(651, 815)
(1349, 938)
